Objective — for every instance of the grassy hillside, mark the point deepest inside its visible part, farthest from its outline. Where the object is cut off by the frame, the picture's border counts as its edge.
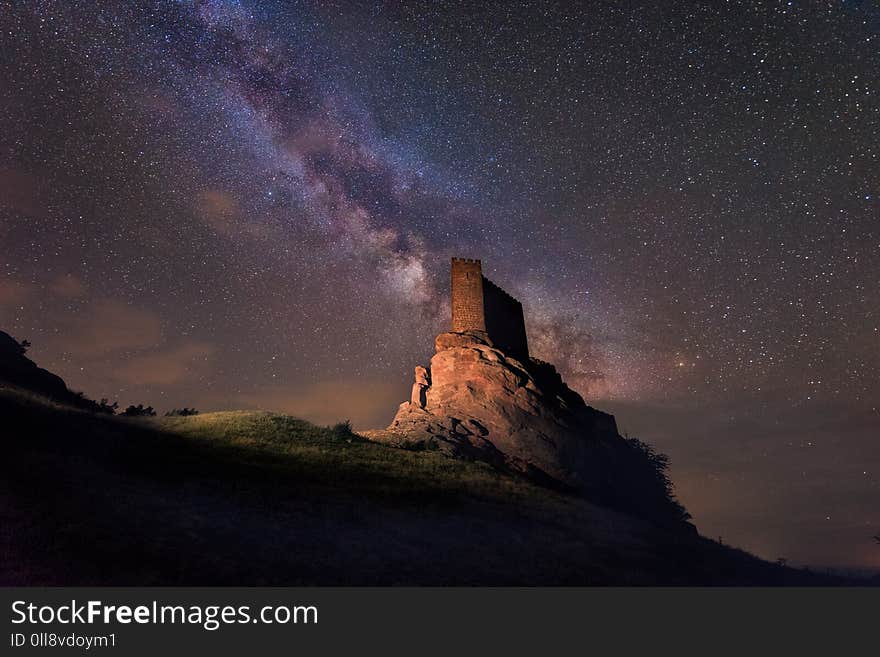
(258, 498)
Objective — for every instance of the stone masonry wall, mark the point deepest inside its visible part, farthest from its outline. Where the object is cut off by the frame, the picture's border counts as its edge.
(505, 323)
(467, 296)
(480, 305)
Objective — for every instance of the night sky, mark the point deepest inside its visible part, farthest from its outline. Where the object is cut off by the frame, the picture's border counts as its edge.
(253, 205)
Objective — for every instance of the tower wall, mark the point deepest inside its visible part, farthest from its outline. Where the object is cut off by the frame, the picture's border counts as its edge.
(467, 296)
(504, 319)
(480, 305)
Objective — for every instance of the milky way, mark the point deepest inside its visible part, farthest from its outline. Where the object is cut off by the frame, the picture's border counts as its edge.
(252, 204)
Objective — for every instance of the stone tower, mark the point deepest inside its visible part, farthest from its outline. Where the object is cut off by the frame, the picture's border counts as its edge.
(467, 296)
(480, 305)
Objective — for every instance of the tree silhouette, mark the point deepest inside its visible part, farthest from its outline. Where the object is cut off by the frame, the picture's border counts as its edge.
(181, 412)
(139, 411)
(104, 406)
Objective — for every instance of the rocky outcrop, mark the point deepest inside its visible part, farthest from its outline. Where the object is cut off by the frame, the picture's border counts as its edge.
(18, 370)
(477, 402)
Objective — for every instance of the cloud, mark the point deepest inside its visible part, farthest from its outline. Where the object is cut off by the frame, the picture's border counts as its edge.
(96, 345)
(166, 366)
(14, 293)
(218, 209)
(108, 326)
(88, 328)
(125, 343)
(368, 404)
(68, 286)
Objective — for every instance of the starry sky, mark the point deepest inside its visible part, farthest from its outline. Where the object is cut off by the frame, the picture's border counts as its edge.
(250, 204)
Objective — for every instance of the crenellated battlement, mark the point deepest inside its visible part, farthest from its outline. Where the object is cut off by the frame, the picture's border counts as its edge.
(499, 291)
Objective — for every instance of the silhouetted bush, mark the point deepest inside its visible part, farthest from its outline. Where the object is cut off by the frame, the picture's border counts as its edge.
(104, 406)
(181, 412)
(649, 471)
(139, 411)
(343, 430)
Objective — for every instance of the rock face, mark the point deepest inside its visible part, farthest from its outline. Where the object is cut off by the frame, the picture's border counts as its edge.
(475, 401)
(19, 370)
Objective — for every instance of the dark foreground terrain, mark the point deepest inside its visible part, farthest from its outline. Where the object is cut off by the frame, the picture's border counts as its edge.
(244, 498)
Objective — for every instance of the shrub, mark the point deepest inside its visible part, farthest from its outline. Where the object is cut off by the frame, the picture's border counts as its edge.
(342, 430)
(649, 470)
(139, 411)
(181, 412)
(105, 406)
(80, 400)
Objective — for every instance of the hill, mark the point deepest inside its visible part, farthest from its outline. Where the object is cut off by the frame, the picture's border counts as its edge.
(19, 371)
(248, 498)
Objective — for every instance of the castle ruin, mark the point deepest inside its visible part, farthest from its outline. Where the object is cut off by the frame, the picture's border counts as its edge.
(482, 398)
(480, 305)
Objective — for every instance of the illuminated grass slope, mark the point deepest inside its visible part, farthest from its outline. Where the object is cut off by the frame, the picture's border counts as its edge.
(259, 498)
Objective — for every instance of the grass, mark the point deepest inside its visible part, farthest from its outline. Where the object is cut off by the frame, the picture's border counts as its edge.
(245, 498)
(309, 452)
